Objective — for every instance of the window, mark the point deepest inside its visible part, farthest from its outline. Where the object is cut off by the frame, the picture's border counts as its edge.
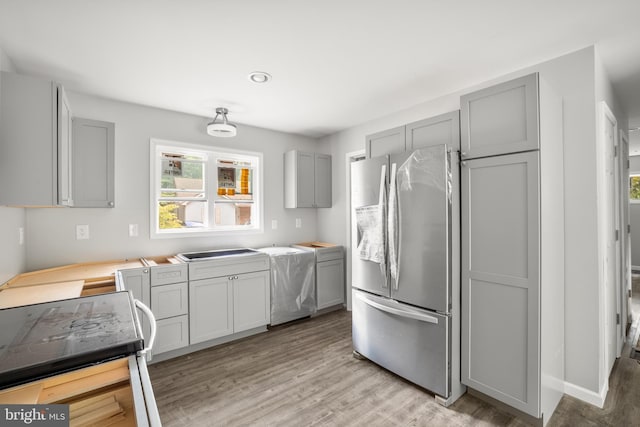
(634, 188)
(202, 189)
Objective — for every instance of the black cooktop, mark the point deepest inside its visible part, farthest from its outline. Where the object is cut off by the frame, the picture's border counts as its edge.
(41, 340)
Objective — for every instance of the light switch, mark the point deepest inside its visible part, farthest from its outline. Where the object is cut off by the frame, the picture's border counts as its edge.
(298, 222)
(21, 236)
(133, 230)
(274, 224)
(82, 232)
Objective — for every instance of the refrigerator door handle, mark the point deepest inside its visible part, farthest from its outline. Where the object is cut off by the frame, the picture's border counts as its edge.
(392, 228)
(382, 203)
(423, 317)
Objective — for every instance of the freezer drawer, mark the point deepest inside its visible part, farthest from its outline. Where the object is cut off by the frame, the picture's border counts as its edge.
(411, 342)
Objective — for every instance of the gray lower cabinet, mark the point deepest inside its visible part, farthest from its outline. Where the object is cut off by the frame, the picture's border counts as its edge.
(172, 334)
(307, 180)
(225, 305)
(437, 130)
(35, 142)
(93, 163)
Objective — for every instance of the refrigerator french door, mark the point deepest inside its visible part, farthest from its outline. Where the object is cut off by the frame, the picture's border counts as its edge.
(401, 269)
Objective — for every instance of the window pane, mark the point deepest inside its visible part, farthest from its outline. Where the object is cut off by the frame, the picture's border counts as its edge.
(233, 214)
(634, 187)
(182, 214)
(181, 173)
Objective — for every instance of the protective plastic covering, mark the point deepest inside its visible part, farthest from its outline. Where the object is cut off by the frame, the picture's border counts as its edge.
(426, 170)
(371, 228)
(293, 284)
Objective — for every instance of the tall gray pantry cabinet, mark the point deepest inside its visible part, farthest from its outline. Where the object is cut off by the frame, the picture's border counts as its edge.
(513, 244)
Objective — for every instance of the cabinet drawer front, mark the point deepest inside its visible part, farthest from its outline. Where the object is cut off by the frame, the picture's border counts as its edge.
(228, 267)
(327, 254)
(170, 300)
(173, 333)
(164, 275)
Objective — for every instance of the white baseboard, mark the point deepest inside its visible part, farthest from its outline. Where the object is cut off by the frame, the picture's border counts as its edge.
(591, 397)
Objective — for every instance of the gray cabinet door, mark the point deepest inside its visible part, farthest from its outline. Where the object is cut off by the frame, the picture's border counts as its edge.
(442, 129)
(251, 301)
(330, 283)
(500, 119)
(305, 179)
(210, 315)
(93, 163)
(386, 142)
(322, 181)
(173, 333)
(28, 132)
(65, 149)
(500, 279)
(137, 281)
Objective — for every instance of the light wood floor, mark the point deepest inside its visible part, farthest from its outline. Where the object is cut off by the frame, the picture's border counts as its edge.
(303, 374)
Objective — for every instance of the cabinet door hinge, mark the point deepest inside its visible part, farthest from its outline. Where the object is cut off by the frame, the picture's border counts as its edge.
(617, 235)
(617, 318)
(628, 228)
(629, 292)
(615, 151)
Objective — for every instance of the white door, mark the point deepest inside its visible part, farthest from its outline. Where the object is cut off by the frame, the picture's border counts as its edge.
(607, 209)
(625, 232)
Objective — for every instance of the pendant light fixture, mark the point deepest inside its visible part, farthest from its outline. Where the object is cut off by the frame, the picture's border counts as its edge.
(221, 128)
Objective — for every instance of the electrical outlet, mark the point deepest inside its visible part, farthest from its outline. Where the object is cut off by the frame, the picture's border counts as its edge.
(82, 232)
(274, 224)
(21, 236)
(133, 230)
(298, 223)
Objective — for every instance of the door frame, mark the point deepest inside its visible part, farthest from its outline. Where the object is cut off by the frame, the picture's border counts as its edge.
(606, 240)
(349, 158)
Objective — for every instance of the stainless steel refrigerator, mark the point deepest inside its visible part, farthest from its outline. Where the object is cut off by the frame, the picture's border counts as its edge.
(401, 264)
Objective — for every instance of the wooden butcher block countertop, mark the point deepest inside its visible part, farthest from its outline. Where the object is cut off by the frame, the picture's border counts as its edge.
(68, 281)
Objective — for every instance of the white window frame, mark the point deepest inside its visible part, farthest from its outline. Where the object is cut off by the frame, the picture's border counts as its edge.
(158, 145)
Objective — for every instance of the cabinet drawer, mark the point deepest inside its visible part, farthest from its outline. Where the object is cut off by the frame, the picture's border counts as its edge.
(327, 254)
(167, 274)
(228, 267)
(170, 300)
(173, 333)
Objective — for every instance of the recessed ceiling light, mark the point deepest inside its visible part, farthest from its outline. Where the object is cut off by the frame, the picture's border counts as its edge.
(259, 77)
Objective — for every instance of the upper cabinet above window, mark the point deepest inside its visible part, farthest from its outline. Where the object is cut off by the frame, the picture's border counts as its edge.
(35, 142)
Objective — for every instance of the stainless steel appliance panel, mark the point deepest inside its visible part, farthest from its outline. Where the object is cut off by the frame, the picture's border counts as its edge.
(423, 222)
(410, 342)
(369, 180)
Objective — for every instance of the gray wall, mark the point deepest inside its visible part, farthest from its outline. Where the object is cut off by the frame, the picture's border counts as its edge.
(573, 76)
(12, 254)
(51, 232)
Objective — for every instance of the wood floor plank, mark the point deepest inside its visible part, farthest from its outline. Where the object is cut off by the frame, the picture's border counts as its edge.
(304, 374)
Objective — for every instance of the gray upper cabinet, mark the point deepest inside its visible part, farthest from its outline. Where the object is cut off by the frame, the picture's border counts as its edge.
(442, 129)
(35, 142)
(386, 142)
(93, 163)
(307, 180)
(501, 119)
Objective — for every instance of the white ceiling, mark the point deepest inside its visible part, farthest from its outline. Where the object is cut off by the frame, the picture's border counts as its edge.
(335, 63)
